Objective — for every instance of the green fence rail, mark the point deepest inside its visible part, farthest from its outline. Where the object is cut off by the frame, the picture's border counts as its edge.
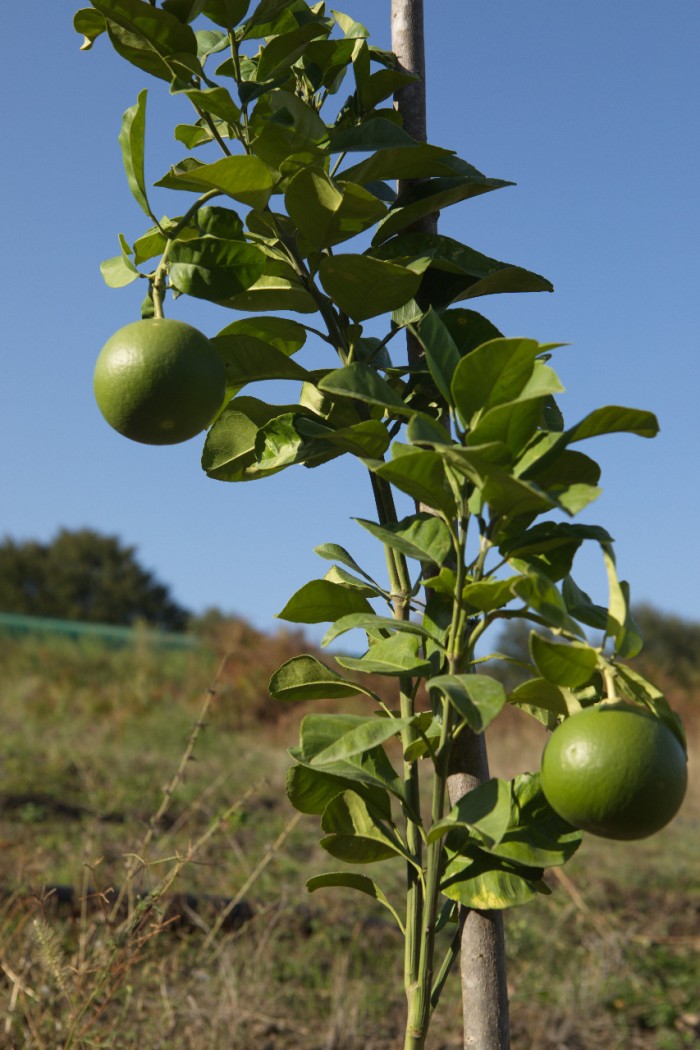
(14, 623)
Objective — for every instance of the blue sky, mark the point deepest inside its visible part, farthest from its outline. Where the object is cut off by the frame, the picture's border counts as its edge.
(591, 109)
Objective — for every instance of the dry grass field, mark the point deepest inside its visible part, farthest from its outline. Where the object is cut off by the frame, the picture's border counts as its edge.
(153, 875)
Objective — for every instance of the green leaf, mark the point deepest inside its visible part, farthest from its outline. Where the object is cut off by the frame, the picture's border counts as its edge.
(334, 552)
(277, 289)
(217, 101)
(551, 545)
(490, 883)
(425, 197)
(226, 13)
(150, 38)
(229, 449)
(537, 694)
(119, 271)
(405, 158)
(621, 625)
(353, 881)
(371, 768)
(488, 595)
(363, 383)
(249, 360)
(364, 736)
(336, 574)
(611, 420)
(321, 600)
(397, 655)
(485, 812)
(349, 26)
(580, 606)
(283, 334)
(477, 698)
(540, 593)
(357, 833)
(376, 626)
(306, 678)
(421, 475)
(494, 373)
(441, 354)
(312, 200)
(245, 178)
(569, 664)
(538, 837)
(132, 142)
(214, 269)
(282, 51)
(364, 287)
(91, 24)
(420, 536)
(310, 790)
(368, 439)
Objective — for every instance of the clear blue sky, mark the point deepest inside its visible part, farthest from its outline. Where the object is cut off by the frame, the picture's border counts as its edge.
(592, 109)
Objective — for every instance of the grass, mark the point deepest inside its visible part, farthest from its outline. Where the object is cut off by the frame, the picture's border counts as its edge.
(123, 773)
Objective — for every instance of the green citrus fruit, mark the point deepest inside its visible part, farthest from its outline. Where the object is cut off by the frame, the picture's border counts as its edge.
(159, 381)
(614, 770)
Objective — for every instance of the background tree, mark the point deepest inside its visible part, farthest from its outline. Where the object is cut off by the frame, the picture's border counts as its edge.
(82, 575)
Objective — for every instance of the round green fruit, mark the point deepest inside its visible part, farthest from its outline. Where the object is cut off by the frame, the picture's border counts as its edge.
(615, 770)
(159, 381)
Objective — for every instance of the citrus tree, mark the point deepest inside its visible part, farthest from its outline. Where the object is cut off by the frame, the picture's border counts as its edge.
(292, 222)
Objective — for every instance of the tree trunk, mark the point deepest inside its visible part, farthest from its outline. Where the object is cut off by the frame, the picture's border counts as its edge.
(482, 957)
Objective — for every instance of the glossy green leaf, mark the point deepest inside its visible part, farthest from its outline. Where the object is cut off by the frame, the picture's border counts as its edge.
(582, 608)
(488, 595)
(229, 449)
(353, 881)
(220, 222)
(362, 382)
(248, 360)
(367, 734)
(477, 698)
(334, 552)
(368, 439)
(371, 768)
(283, 334)
(490, 883)
(226, 13)
(312, 200)
(283, 50)
(538, 693)
(245, 178)
(468, 329)
(310, 790)
(441, 354)
(306, 678)
(421, 475)
(569, 664)
(321, 600)
(494, 373)
(376, 626)
(538, 837)
(621, 625)
(215, 100)
(90, 24)
(132, 142)
(214, 269)
(406, 159)
(271, 17)
(420, 536)
(364, 287)
(119, 271)
(551, 545)
(428, 196)
(150, 38)
(336, 574)
(356, 833)
(277, 289)
(611, 420)
(541, 594)
(485, 812)
(397, 655)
